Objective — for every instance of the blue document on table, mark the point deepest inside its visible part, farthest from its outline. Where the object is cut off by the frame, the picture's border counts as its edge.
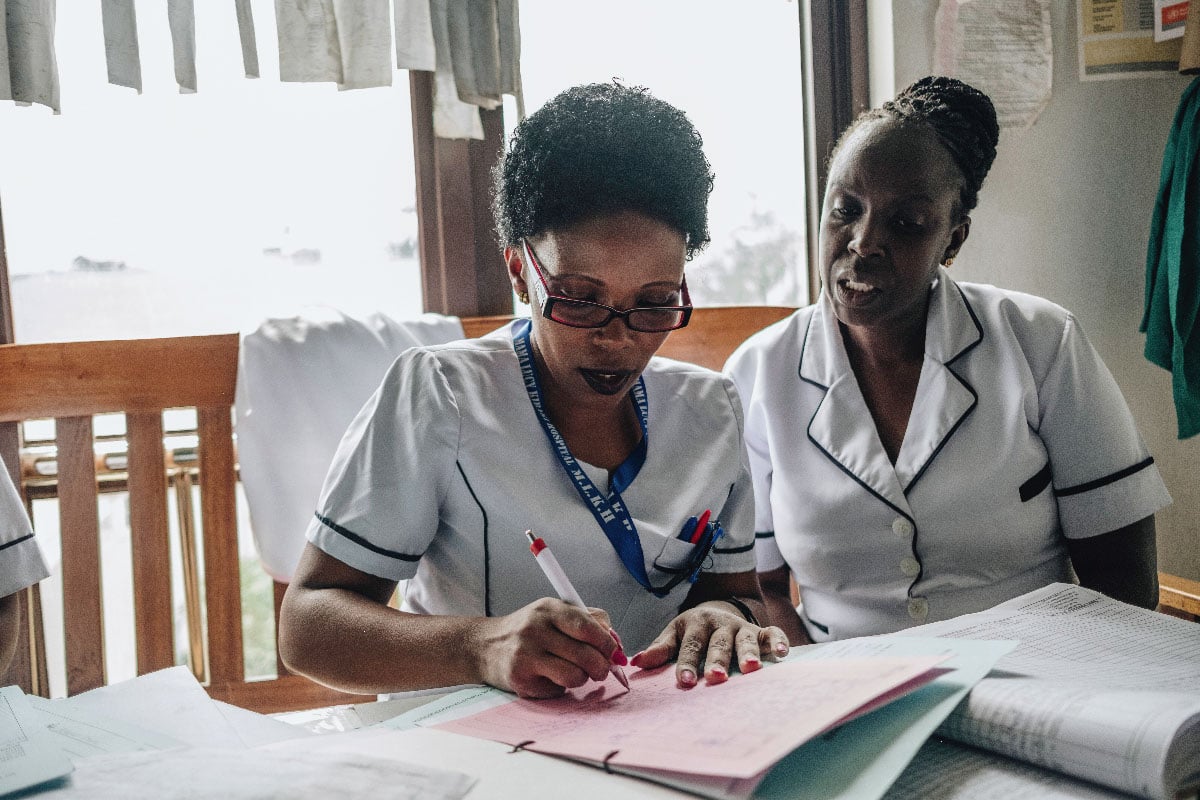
(861, 759)
(27, 757)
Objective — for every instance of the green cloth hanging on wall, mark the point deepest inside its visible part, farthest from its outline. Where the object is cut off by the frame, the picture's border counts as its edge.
(1173, 265)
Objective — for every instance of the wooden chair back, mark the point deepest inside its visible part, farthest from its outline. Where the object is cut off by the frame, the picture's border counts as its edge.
(70, 383)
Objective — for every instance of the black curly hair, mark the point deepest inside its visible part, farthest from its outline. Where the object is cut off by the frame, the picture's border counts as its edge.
(962, 117)
(598, 149)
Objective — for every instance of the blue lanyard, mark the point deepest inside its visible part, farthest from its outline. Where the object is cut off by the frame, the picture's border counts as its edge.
(610, 511)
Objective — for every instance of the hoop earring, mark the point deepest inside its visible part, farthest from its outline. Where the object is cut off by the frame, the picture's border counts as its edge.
(523, 297)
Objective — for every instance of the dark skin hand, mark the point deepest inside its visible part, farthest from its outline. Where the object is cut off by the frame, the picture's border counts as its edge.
(331, 610)
(711, 634)
(777, 595)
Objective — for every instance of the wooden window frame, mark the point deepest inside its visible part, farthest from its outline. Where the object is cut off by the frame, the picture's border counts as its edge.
(833, 37)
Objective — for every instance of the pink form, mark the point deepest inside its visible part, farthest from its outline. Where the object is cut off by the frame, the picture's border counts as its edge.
(737, 729)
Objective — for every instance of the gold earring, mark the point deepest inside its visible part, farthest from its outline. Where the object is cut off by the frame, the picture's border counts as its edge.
(523, 297)
(948, 261)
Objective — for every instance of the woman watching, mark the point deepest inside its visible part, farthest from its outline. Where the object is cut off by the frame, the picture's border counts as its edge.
(564, 424)
(921, 447)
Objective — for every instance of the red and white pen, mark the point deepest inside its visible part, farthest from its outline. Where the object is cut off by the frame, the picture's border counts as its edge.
(562, 585)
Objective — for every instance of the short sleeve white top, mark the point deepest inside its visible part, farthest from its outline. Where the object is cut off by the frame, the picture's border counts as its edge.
(445, 468)
(1019, 439)
(21, 561)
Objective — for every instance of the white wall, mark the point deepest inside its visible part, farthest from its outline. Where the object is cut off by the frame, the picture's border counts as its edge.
(1065, 214)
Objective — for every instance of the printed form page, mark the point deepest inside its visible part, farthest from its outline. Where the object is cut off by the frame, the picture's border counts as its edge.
(1097, 688)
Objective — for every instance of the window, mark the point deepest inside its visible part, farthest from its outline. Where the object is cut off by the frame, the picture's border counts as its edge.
(169, 214)
(735, 69)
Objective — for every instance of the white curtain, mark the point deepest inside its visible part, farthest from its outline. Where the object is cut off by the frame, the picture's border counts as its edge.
(472, 45)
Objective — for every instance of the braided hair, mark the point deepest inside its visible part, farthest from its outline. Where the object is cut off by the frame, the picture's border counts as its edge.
(599, 149)
(962, 118)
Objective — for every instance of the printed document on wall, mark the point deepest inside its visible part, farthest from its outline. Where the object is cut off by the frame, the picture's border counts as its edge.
(1001, 47)
(1116, 40)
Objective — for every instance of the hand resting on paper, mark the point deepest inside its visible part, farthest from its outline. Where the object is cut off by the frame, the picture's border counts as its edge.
(712, 634)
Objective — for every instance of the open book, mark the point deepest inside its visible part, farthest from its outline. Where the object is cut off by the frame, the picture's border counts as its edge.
(1097, 689)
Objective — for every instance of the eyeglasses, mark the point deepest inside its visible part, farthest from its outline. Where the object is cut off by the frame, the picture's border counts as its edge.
(586, 314)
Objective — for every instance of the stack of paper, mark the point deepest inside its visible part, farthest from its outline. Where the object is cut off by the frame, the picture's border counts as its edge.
(161, 735)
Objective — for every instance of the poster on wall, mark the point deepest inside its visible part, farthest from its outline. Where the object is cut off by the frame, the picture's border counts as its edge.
(1003, 48)
(1116, 40)
(1169, 19)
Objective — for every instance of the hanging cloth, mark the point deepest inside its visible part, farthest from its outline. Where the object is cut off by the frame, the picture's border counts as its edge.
(1173, 265)
(28, 66)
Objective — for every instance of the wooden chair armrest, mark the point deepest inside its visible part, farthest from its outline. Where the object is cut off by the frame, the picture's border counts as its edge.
(1179, 597)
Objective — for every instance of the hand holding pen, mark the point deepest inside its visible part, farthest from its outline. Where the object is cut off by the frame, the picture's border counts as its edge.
(566, 591)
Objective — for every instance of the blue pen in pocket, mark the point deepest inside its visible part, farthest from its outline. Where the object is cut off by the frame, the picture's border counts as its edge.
(685, 535)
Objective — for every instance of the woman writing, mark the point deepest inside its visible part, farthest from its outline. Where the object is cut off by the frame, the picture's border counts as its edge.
(563, 424)
(924, 448)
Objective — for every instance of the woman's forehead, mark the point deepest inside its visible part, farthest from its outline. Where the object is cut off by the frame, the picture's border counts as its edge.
(886, 150)
(625, 246)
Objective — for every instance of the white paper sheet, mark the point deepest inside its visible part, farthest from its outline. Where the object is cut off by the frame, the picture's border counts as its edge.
(82, 734)
(1003, 48)
(501, 773)
(947, 771)
(204, 772)
(169, 702)
(27, 756)
(1097, 688)
(1103, 641)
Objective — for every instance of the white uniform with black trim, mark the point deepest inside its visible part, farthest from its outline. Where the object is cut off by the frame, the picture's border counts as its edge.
(1018, 437)
(21, 561)
(445, 468)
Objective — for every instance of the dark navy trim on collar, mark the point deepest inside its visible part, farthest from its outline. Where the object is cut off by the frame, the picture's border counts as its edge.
(965, 385)
(1107, 479)
(816, 444)
(764, 534)
(354, 537)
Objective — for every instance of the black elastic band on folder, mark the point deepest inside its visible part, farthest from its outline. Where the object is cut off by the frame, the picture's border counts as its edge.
(519, 746)
(604, 763)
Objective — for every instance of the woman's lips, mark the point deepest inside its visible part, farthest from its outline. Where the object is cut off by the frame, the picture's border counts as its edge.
(606, 382)
(856, 294)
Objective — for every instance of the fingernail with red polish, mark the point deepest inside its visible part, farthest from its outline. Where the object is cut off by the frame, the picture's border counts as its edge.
(751, 665)
(619, 658)
(781, 649)
(636, 661)
(687, 678)
(717, 674)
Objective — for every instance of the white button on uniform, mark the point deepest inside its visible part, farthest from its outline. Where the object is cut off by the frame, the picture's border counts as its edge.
(902, 527)
(910, 567)
(918, 608)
